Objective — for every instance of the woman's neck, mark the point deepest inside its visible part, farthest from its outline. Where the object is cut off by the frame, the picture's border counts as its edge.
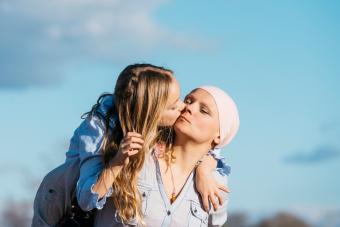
(187, 154)
(175, 174)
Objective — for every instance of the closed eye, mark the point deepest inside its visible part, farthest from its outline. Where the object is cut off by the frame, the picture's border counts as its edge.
(203, 110)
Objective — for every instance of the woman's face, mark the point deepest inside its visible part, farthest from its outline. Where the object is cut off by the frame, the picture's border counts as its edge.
(174, 105)
(199, 119)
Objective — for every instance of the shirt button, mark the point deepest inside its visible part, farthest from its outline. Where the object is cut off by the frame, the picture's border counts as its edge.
(144, 194)
(169, 212)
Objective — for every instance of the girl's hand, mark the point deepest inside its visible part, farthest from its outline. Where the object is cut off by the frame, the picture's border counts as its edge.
(209, 189)
(130, 145)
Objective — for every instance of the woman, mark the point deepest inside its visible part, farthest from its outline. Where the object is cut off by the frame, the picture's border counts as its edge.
(146, 97)
(209, 121)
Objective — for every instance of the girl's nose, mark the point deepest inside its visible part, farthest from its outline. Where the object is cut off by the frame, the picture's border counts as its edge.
(181, 105)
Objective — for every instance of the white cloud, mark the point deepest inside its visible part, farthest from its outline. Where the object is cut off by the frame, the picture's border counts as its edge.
(40, 36)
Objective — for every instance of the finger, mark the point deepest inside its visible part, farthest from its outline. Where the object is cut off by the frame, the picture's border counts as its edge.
(134, 140)
(125, 149)
(133, 152)
(128, 143)
(219, 197)
(136, 134)
(223, 188)
(133, 146)
(123, 146)
(205, 203)
(213, 201)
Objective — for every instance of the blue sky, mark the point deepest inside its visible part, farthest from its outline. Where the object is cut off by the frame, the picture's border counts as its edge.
(279, 60)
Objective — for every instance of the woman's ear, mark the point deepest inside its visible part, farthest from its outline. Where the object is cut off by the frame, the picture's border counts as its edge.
(216, 141)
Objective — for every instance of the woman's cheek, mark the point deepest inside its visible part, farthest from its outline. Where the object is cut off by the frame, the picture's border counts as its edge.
(205, 124)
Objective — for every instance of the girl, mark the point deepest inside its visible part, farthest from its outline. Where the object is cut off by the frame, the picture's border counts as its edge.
(210, 120)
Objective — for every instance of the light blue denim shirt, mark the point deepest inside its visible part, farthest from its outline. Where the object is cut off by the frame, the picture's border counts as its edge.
(86, 144)
(187, 210)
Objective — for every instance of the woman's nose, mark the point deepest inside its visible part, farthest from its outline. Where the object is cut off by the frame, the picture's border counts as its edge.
(187, 108)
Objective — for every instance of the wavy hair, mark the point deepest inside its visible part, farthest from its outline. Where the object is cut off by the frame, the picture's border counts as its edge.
(140, 96)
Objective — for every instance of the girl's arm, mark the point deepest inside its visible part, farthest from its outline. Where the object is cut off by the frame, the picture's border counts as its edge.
(130, 145)
(95, 181)
(219, 216)
(206, 184)
(86, 142)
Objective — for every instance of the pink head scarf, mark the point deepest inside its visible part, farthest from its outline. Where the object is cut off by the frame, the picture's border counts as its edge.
(227, 114)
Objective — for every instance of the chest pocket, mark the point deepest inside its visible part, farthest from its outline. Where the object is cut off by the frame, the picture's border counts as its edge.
(145, 191)
(197, 216)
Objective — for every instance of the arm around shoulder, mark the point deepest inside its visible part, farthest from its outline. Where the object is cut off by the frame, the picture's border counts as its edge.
(219, 217)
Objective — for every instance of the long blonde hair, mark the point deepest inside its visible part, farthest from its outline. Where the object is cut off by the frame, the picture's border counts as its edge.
(140, 96)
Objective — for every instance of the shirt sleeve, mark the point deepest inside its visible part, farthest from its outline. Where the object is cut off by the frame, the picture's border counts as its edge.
(87, 141)
(219, 217)
(222, 167)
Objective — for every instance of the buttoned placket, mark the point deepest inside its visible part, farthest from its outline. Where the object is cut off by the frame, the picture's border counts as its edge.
(170, 208)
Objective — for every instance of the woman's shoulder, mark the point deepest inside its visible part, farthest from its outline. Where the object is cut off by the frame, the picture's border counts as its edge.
(147, 175)
(221, 178)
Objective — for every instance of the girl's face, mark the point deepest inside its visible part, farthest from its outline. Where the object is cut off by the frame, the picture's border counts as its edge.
(174, 105)
(199, 119)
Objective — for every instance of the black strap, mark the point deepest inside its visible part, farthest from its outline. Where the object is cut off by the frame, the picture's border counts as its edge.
(75, 216)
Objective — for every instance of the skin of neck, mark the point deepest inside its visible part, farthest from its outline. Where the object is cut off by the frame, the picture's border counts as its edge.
(188, 152)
